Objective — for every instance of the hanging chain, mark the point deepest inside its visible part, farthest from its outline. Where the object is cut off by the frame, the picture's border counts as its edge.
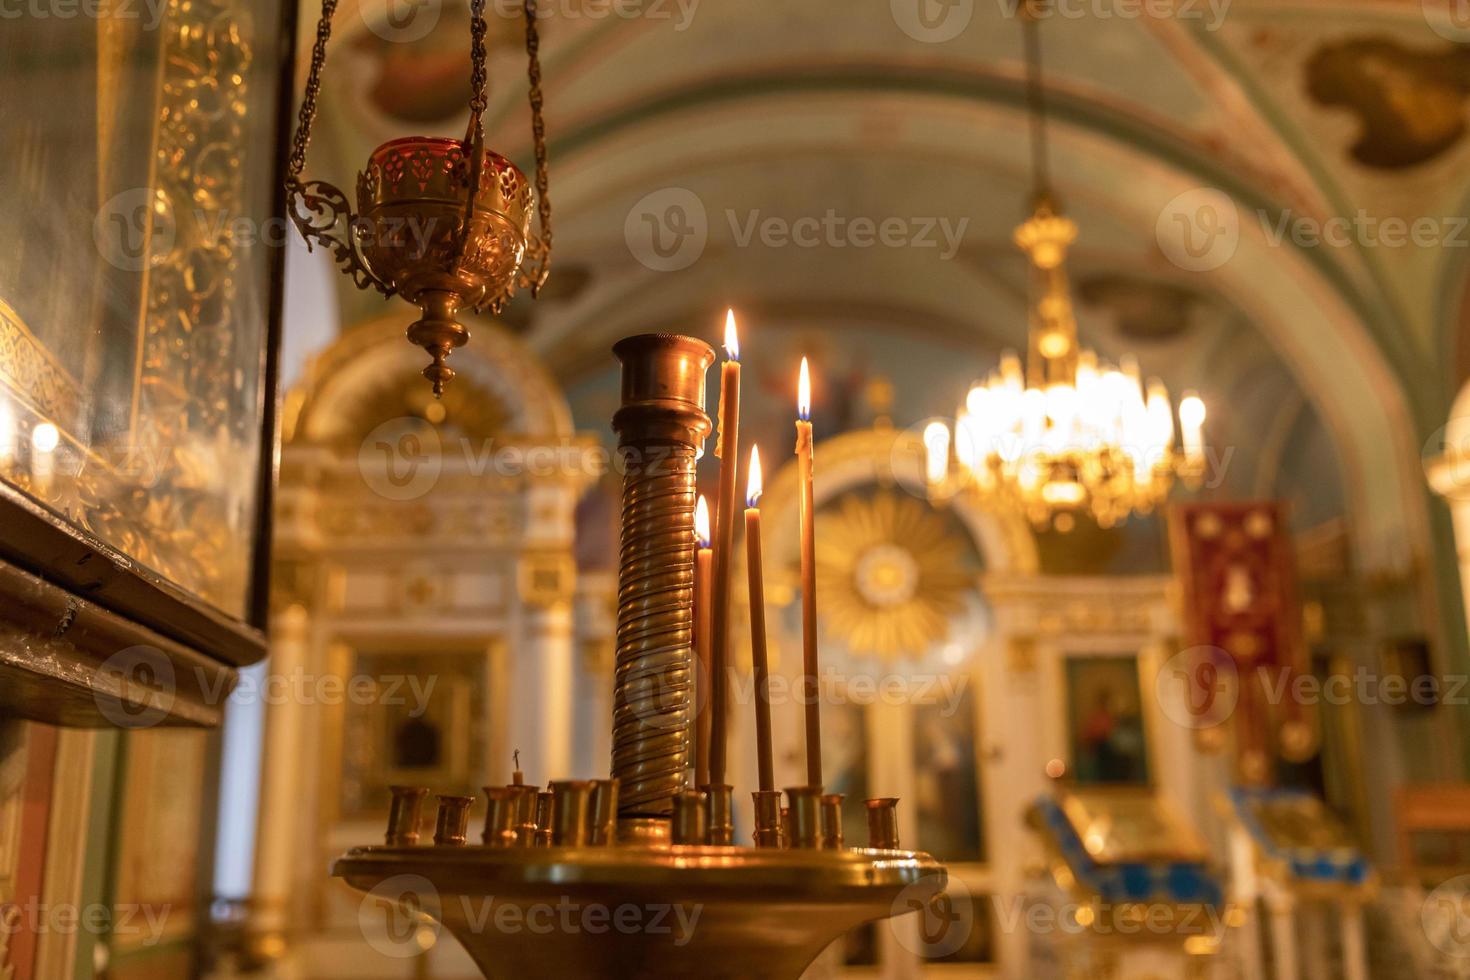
(474, 137)
(538, 135)
(307, 115)
(1036, 100)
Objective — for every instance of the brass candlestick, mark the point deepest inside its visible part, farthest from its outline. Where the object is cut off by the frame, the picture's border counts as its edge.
(763, 912)
(405, 814)
(660, 427)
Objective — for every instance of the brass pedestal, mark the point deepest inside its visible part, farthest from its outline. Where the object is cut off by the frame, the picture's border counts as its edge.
(591, 911)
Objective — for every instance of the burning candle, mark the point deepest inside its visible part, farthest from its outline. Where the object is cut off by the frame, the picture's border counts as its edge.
(727, 448)
(809, 687)
(702, 560)
(759, 668)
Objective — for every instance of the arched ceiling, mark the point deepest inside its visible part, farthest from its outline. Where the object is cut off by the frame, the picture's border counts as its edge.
(767, 109)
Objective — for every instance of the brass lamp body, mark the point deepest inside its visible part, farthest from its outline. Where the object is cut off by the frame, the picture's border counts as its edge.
(443, 223)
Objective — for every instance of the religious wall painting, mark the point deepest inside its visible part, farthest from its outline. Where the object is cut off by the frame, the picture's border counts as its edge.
(405, 724)
(1106, 734)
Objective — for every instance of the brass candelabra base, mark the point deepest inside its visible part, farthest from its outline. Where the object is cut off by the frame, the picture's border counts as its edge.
(591, 911)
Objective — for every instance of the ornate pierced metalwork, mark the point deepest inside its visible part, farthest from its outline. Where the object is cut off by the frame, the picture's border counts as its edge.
(443, 223)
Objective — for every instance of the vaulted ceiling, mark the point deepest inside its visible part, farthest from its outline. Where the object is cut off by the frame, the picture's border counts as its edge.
(1186, 146)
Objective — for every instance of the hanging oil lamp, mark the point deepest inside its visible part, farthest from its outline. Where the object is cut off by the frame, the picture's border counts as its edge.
(444, 223)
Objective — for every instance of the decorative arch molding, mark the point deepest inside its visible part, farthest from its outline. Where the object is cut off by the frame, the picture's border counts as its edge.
(500, 368)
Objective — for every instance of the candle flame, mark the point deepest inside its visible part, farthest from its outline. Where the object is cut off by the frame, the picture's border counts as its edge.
(804, 393)
(754, 487)
(701, 523)
(732, 339)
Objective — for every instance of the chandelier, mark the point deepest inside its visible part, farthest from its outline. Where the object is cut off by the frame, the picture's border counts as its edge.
(1066, 434)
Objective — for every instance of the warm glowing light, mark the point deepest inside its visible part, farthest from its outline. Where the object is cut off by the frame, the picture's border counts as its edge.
(1056, 768)
(1191, 411)
(701, 523)
(7, 433)
(732, 338)
(804, 392)
(45, 437)
(936, 447)
(753, 486)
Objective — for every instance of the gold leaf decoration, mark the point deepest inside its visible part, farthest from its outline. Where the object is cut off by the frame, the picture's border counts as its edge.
(890, 574)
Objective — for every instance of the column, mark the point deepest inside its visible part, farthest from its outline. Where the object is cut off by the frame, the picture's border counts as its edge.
(284, 760)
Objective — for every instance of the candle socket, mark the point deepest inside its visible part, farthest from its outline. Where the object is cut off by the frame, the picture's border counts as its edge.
(720, 806)
(832, 821)
(660, 425)
(883, 822)
(805, 827)
(545, 806)
(689, 823)
(569, 813)
(767, 817)
(404, 815)
(503, 808)
(603, 811)
(451, 829)
(525, 814)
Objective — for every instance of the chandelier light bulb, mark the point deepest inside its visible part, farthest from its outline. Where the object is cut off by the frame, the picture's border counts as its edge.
(936, 452)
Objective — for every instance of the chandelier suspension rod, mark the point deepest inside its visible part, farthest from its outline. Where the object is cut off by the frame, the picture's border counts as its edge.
(1035, 100)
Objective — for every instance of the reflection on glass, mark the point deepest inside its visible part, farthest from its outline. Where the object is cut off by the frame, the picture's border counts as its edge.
(945, 778)
(135, 281)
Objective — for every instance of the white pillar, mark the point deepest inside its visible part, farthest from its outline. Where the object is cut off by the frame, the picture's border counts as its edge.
(283, 761)
(541, 687)
(1282, 908)
(1354, 954)
(1245, 890)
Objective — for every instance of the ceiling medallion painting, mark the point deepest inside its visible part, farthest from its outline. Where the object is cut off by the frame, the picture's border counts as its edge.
(1410, 103)
(892, 574)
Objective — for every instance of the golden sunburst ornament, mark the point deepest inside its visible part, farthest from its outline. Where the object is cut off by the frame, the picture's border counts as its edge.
(890, 574)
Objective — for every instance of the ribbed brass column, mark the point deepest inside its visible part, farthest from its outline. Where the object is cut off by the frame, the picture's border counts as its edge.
(660, 427)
